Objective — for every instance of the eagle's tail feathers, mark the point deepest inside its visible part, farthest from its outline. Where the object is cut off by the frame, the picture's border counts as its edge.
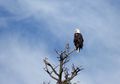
(78, 50)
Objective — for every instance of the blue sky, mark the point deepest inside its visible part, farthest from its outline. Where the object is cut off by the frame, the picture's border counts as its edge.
(30, 30)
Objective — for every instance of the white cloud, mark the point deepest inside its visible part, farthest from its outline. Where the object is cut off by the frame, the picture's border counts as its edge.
(98, 20)
(22, 63)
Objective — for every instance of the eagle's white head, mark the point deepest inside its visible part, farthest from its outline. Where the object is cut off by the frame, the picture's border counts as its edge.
(77, 30)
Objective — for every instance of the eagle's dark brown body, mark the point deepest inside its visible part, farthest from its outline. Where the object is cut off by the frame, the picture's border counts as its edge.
(78, 41)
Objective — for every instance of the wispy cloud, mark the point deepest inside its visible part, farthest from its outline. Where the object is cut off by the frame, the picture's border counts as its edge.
(20, 62)
(26, 26)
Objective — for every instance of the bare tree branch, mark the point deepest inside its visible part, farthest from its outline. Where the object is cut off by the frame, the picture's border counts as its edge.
(57, 52)
(48, 71)
(63, 71)
(66, 73)
(74, 72)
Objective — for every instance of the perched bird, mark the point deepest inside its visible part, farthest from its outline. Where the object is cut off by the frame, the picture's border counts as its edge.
(78, 40)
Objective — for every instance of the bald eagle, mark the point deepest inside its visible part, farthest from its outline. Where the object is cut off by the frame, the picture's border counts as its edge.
(78, 40)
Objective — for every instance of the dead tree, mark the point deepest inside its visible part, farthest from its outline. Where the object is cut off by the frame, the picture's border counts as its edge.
(60, 72)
